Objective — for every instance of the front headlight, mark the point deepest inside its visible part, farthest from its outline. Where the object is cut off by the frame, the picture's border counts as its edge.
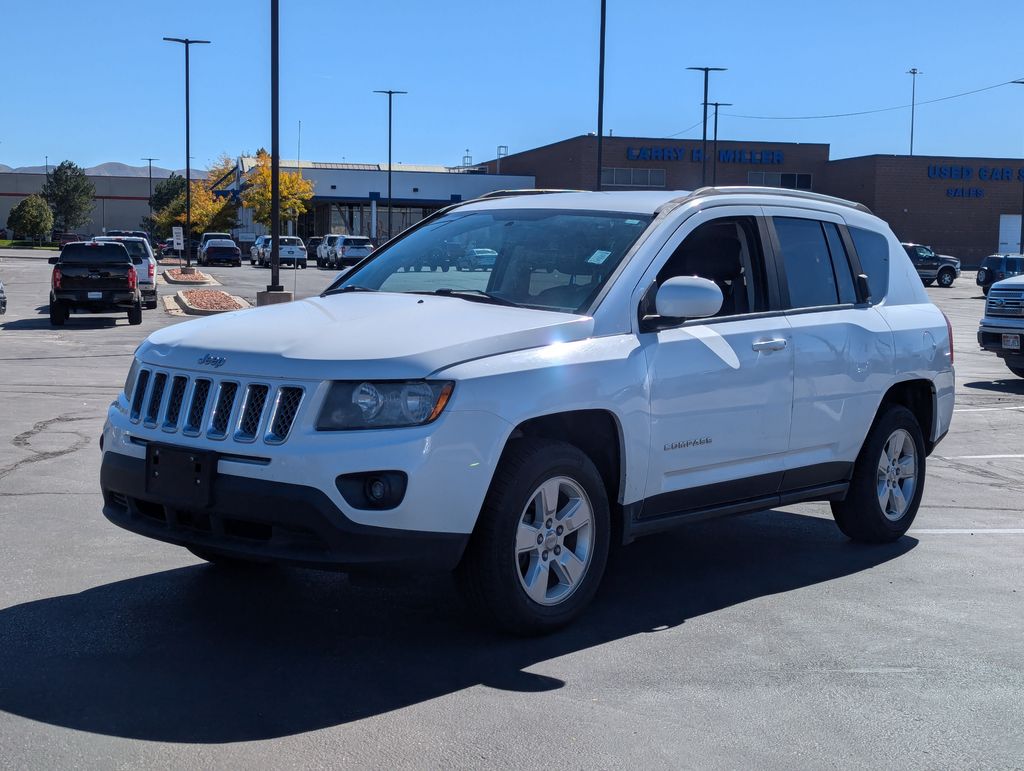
(356, 405)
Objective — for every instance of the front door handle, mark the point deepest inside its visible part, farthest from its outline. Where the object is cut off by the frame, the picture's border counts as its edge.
(769, 345)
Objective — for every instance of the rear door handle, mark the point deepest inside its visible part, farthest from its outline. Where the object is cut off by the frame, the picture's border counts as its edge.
(769, 345)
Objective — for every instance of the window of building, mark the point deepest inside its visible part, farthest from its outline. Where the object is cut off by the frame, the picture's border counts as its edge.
(807, 262)
(873, 251)
(779, 179)
(628, 177)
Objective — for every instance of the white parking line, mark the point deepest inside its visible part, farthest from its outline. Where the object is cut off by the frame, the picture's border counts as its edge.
(987, 409)
(967, 531)
(976, 457)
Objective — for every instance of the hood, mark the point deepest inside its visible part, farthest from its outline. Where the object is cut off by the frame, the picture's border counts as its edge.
(1013, 282)
(947, 258)
(357, 335)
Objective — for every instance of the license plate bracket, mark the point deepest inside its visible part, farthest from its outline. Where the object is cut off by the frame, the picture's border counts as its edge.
(1011, 342)
(179, 475)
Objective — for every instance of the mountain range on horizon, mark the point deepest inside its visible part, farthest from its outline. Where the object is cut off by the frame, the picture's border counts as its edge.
(109, 169)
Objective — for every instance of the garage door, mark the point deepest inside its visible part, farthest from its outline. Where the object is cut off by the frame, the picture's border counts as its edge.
(1009, 232)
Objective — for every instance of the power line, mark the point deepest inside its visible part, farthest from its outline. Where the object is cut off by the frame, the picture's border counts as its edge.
(691, 128)
(868, 112)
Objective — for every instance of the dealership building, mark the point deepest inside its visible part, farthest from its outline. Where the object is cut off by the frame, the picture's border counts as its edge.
(966, 207)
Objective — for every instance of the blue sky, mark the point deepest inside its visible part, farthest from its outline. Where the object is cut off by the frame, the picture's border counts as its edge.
(93, 81)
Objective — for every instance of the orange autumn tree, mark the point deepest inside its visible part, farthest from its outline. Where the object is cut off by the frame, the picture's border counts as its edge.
(296, 191)
(212, 209)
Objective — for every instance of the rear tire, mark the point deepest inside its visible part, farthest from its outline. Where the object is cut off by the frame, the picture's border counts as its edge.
(135, 315)
(540, 546)
(888, 480)
(58, 314)
(946, 277)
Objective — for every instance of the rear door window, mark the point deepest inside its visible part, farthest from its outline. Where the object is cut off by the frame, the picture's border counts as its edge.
(808, 264)
(873, 251)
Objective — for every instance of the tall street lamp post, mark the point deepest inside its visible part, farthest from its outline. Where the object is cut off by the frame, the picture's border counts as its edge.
(150, 160)
(600, 99)
(1020, 246)
(913, 72)
(391, 95)
(188, 43)
(714, 142)
(704, 139)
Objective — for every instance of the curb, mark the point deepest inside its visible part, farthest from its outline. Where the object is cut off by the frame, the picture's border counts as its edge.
(192, 310)
(210, 281)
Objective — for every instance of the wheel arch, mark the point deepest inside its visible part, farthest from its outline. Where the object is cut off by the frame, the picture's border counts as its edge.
(597, 433)
(917, 395)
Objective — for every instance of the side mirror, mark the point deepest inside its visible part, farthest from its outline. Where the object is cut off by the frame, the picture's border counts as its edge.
(53, 260)
(688, 297)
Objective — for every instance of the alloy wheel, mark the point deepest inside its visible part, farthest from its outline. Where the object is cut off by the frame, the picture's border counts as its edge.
(897, 475)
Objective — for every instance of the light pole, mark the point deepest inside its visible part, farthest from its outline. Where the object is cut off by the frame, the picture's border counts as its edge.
(188, 43)
(150, 160)
(704, 139)
(600, 99)
(913, 72)
(391, 95)
(1020, 173)
(714, 145)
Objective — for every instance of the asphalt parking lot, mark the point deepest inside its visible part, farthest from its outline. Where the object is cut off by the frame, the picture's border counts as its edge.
(764, 640)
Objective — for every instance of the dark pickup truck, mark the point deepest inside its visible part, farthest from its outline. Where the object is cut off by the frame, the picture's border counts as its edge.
(94, 277)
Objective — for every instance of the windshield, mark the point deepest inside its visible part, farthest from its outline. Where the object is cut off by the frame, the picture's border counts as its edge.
(535, 258)
(1015, 265)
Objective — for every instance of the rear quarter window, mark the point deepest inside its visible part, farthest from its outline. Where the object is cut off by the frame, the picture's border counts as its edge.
(873, 251)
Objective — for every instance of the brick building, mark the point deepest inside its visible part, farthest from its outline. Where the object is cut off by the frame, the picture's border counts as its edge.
(967, 207)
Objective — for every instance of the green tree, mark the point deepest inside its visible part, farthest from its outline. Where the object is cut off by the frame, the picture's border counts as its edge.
(166, 190)
(32, 217)
(70, 194)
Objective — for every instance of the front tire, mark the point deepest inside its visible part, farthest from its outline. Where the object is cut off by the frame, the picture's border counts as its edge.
(946, 278)
(540, 546)
(888, 480)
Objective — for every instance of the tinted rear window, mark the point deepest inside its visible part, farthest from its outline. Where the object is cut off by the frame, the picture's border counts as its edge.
(100, 254)
(991, 261)
(873, 250)
(136, 249)
(357, 242)
(291, 242)
(1014, 264)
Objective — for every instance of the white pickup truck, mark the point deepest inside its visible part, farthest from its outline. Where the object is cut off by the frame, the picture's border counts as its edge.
(1002, 327)
(630, 363)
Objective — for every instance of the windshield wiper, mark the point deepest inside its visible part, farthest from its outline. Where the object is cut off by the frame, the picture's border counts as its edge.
(473, 295)
(348, 288)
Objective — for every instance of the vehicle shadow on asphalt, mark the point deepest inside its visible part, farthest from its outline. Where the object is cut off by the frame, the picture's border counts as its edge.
(79, 322)
(208, 655)
(1010, 384)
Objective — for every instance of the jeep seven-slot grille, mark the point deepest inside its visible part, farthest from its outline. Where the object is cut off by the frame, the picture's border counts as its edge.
(288, 398)
(1005, 302)
(204, 406)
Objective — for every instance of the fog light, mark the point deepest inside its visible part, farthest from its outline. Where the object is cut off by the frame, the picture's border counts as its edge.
(376, 490)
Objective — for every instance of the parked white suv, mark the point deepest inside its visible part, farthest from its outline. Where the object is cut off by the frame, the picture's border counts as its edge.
(325, 251)
(1002, 328)
(632, 362)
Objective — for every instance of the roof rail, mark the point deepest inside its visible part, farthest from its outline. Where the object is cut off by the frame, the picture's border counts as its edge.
(523, 191)
(783, 191)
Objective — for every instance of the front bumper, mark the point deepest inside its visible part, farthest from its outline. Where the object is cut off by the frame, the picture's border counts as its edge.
(990, 338)
(270, 521)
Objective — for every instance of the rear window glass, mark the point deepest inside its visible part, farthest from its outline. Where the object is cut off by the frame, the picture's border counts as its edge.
(1014, 264)
(873, 250)
(357, 242)
(218, 248)
(992, 261)
(99, 254)
(291, 242)
(136, 249)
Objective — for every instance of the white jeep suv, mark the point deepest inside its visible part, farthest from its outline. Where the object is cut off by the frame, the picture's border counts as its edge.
(632, 362)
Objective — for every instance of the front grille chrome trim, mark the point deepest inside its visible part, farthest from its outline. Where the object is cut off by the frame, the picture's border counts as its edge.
(287, 402)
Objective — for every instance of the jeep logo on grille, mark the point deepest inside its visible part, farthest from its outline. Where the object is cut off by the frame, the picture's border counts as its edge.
(210, 360)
